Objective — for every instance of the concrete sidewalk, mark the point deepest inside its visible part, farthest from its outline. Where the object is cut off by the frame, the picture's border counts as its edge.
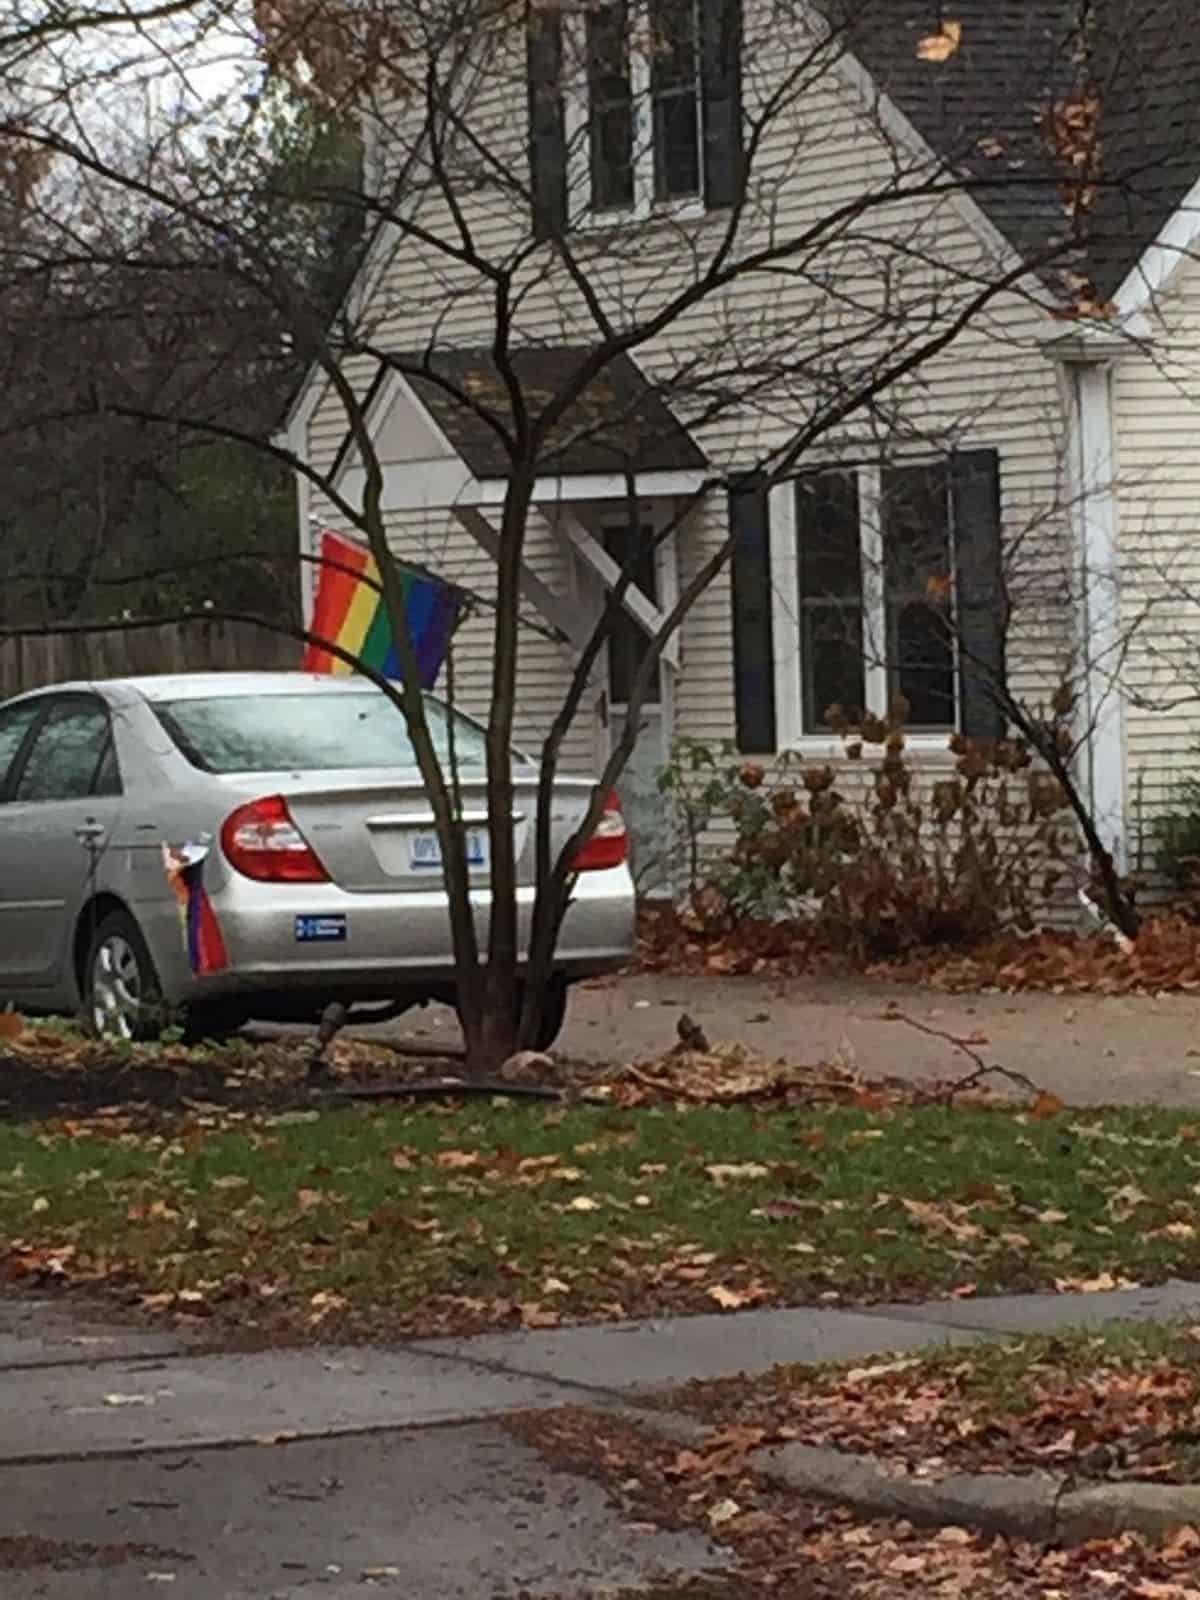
(1087, 1049)
(324, 1471)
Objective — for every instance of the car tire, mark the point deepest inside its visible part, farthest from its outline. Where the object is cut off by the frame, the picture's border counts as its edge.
(122, 996)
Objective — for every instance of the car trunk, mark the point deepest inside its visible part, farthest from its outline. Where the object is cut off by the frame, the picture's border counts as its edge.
(380, 836)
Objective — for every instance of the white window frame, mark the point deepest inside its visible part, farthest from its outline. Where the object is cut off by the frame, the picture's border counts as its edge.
(786, 631)
(577, 124)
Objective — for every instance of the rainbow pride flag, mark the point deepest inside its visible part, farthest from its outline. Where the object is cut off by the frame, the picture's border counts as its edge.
(349, 611)
(184, 867)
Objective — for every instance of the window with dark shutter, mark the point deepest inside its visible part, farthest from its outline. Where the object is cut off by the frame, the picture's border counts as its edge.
(899, 593)
(610, 106)
(918, 592)
(829, 567)
(654, 115)
(675, 93)
(753, 643)
(981, 592)
(721, 82)
(547, 124)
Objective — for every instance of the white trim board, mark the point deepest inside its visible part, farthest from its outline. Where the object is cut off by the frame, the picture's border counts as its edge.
(643, 610)
(1098, 620)
(597, 486)
(1158, 262)
(556, 609)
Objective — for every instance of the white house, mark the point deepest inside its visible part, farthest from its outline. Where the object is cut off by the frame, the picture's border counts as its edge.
(1049, 452)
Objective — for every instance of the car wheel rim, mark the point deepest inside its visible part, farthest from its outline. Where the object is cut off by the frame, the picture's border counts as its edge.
(116, 988)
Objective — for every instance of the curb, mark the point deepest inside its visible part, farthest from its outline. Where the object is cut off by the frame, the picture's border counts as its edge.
(1036, 1507)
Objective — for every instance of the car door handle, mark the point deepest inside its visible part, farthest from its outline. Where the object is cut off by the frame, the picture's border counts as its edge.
(90, 832)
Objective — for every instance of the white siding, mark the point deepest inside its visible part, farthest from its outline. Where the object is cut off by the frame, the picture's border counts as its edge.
(991, 388)
(1157, 405)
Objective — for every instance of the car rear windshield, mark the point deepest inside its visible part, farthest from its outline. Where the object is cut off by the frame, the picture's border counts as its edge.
(308, 732)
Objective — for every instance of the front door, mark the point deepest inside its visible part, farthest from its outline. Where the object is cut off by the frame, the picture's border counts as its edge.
(647, 810)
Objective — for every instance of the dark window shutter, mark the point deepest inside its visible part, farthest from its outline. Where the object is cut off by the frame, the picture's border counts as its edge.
(980, 591)
(753, 644)
(721, 92)
(547, 128)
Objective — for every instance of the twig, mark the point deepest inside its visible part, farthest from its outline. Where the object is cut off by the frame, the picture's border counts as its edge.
(982, 1069)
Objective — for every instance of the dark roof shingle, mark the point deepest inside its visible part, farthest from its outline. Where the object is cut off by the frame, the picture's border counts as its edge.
(985, 110)
(620, 422)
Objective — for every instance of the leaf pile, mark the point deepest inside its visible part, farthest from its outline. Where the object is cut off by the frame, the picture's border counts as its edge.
(1119, 1403)
(1165, 957)
(732, 1074)
(790, 1549)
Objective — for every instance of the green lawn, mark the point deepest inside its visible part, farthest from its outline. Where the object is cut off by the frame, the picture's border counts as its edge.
(370, 1222)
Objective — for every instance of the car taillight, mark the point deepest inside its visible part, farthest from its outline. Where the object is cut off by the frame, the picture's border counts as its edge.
(609, 845)
(263, 842)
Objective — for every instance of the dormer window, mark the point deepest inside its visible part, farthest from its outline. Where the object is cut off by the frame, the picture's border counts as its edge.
(634, 108)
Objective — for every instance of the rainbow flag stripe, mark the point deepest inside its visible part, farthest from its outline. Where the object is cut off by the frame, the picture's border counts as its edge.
(349, 611)
(184, 867)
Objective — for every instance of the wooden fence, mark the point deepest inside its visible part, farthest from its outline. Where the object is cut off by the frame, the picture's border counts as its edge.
(31, 662)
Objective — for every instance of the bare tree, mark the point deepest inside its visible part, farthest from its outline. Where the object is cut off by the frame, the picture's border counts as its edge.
(594, 236)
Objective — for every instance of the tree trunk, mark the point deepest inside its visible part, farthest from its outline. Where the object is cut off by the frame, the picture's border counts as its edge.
(491, 1037)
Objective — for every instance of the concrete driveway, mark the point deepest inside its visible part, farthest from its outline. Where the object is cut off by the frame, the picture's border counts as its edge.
(1087, 1049)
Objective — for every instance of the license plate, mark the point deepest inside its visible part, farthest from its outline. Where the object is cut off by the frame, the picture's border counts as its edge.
(425, 850)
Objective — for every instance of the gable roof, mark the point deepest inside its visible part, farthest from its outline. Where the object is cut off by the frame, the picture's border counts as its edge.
(620, 422)
(988, 109)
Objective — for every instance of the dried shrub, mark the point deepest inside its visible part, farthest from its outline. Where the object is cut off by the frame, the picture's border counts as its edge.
(878, 858)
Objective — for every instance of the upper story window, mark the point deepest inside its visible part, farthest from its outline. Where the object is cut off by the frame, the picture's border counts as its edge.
(635, 105)
(641, 118)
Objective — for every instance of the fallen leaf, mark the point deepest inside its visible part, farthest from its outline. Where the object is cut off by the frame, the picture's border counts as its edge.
(1046, 1105)
(779, 1210)
(40, 1204)
(458, 1160)
(12, 1025)
(722, 1172)
(882, 1370)
(128, 1399)
(728, 1299)
(1098, 1285)
(724, 1511)
(734, 1299)
(231, 1180)
(582, 1202)
(942, 45)
(1123, 1202)
(537, 1316)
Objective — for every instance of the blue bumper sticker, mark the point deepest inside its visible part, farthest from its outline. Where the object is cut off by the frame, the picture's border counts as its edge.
(327, 929)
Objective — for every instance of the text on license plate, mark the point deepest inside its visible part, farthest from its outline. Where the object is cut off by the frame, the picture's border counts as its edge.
(425, 849)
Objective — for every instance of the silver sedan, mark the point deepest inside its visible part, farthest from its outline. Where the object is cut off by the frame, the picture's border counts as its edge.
(225, 846)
